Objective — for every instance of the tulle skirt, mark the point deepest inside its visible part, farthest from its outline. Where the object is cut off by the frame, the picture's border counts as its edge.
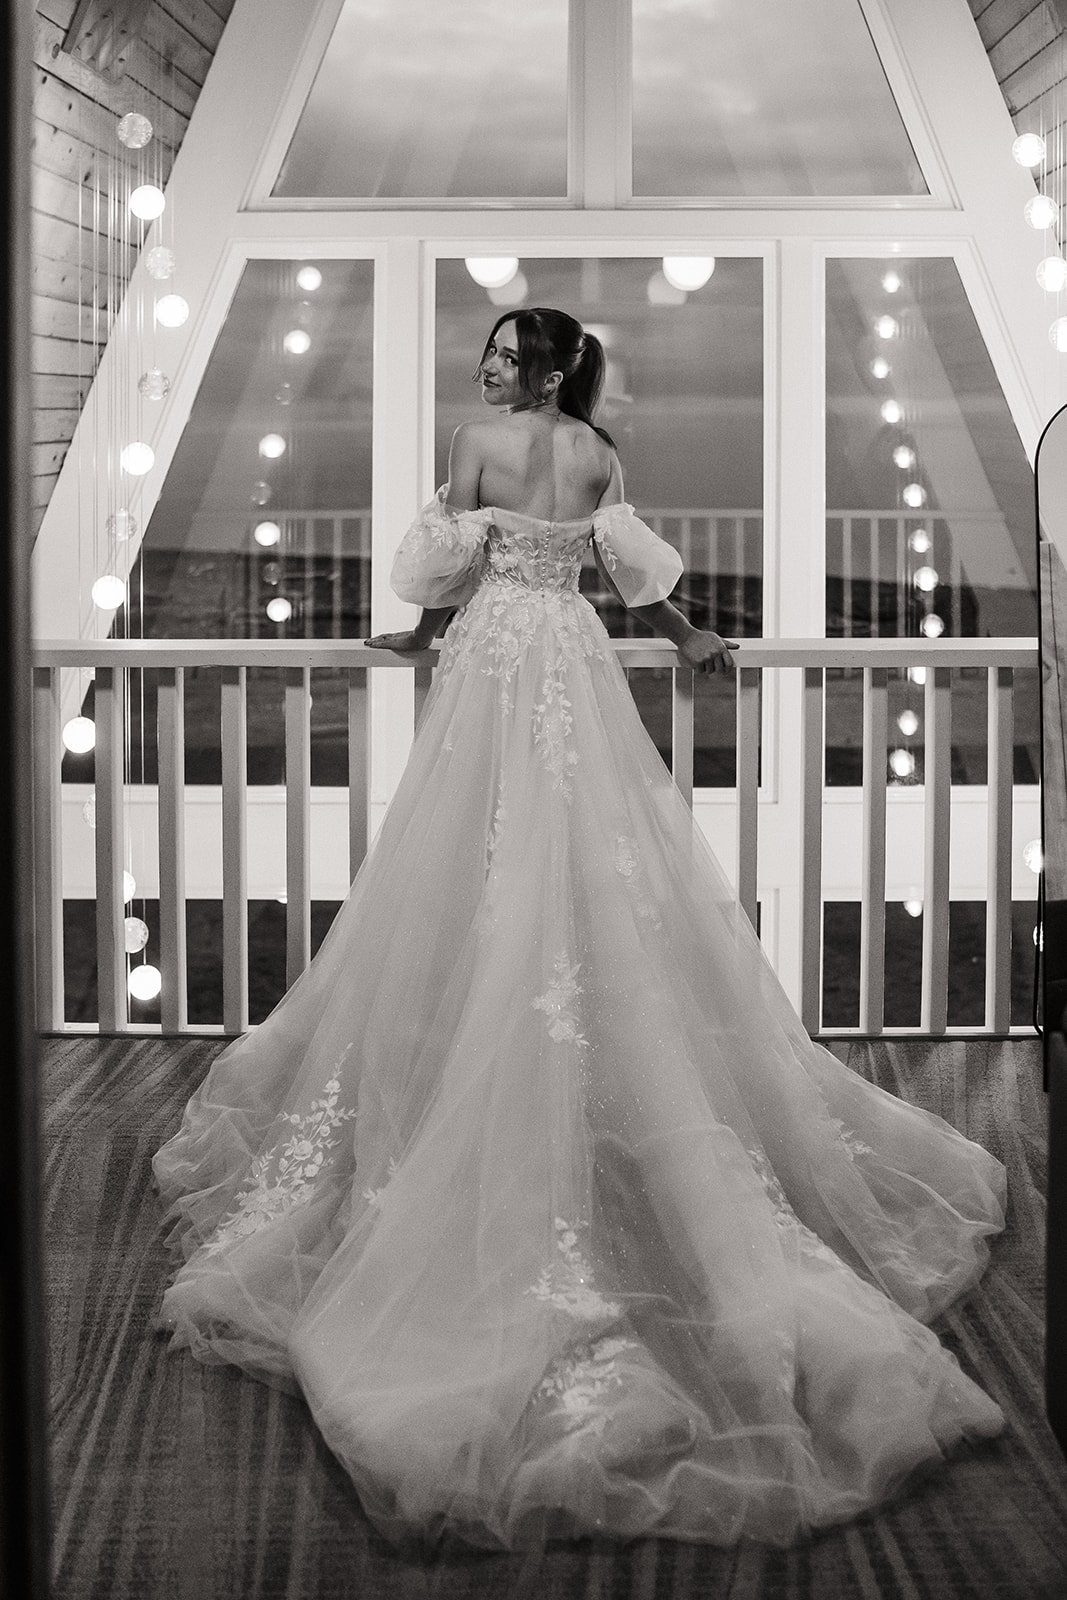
(534, 1185)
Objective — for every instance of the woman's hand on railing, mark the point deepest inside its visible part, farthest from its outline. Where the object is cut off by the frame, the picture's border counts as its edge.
(706, 652)
(405, 644)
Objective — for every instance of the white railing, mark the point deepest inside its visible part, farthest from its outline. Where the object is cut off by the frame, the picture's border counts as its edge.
(785, 715)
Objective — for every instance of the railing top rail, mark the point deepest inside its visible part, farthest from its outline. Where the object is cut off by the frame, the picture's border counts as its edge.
(1021, 652)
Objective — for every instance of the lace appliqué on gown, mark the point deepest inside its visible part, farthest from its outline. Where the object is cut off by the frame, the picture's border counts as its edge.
(580, 1383)
(558, 1003)
(283, 1177)
(567, 1283)
(628, 865)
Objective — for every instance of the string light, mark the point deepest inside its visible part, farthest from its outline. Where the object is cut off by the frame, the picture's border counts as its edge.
(145, 982)
(279, 609)
(880, 368)
(266, 533)
(491, 272)
(79, 735)
(1033, 856)
(153, 384)
(891, 411)
(932, 626)
(108, 592)
(272, 445)
(121, 526)
(297, 342)
(137, 458)
(917, 675)
(688, 272)
(1052, 274)
(309, 278)
(129, 887)
(891, 282)
(908, 723)
(902, 763)
(913, 904)
(159, 262)
(171, 311)
(886, 327)
(147, 202)
(1029, 150)
(919, 541)
(136, 935)
(1058, 334)
(914, 495)
(134, 131)
(1041, 212)
(904, 456)
(926, 579)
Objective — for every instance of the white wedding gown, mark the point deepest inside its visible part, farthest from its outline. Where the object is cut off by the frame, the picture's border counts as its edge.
(533, 1184)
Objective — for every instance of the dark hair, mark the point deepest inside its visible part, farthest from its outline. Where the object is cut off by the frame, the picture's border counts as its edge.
(551, 341)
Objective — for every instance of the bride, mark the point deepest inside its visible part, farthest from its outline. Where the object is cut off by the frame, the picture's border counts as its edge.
(533, 1184)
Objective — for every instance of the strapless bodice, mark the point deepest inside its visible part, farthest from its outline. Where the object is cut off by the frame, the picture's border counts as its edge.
(533, 552)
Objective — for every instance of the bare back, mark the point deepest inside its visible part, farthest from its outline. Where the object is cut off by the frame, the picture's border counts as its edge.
(555, 468)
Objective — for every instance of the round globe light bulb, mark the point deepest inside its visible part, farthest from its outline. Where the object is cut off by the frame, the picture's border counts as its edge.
(266, 533)
(661, 293)
(492, 272)
(134, 130)
(172, 311)
(887, 327)
(108, 592)
(913, 906)
(89, 812)
(891, 282)
(145, 982)
(1058, 334)
(159, 262)
(147, 201)
(153, 384)
(79, 735)
(1052, 274)
(121, 526)
(1029, 149)
(891, 411)
(279, 609)
(902, 763)
(271, 446)
(919, 541)
(932, 626)
(297, 342)
(510, 294)
(926, 579)
(908, 723)
(880, 368)
(1032, 855)
(309, 278)
(917, 675)
(688, 272)
(137, 458)
(904, 456)
(914, 495)
(129, 887)
(136, 935)
(1041, 212)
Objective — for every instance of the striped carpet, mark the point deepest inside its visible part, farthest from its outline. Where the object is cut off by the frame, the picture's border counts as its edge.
(173, 1481)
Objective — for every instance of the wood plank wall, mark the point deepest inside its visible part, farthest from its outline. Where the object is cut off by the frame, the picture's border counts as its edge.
(1027, 48)
(77, 275)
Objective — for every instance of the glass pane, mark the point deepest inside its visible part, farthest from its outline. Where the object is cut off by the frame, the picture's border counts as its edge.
(267, 504)
(684, 402)
(436, 98)
(761, 97)
(929, 524)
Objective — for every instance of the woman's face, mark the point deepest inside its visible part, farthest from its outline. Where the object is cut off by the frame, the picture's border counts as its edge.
(499, 371)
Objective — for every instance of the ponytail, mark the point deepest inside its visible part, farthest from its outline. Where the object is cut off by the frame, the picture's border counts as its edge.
(579, 394)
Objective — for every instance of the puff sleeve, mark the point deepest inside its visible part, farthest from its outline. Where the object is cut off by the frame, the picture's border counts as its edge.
(440, 559)
(642, 566)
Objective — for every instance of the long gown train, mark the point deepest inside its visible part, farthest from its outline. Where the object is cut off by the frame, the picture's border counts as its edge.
(533, 1183)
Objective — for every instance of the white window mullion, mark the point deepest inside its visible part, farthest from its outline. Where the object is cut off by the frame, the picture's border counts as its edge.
(600, 95)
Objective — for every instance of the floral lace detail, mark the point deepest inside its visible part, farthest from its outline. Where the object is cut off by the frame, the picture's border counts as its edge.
(557, 1003)
(283, 1177)
(553, 726)
(373, 1197)
(579, 1382)
(784, 1215)
(628, 866)
(568, 1284)
(853, 1144)
(440, 559)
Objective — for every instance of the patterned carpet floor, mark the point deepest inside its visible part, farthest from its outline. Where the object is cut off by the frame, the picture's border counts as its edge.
(174, 1481)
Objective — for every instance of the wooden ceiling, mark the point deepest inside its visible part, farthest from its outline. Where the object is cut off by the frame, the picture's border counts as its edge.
(159, 64)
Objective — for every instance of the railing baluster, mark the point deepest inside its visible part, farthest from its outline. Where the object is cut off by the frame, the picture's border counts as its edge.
(872, 905)
(48, 849)
(358, 768)
(937, 825)
(170, 716)
(846, 576)
(998, 850)
(682, 730)
(110, 900)
(234, 851)
(812, 763)
(747, 773)
(297, 813)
